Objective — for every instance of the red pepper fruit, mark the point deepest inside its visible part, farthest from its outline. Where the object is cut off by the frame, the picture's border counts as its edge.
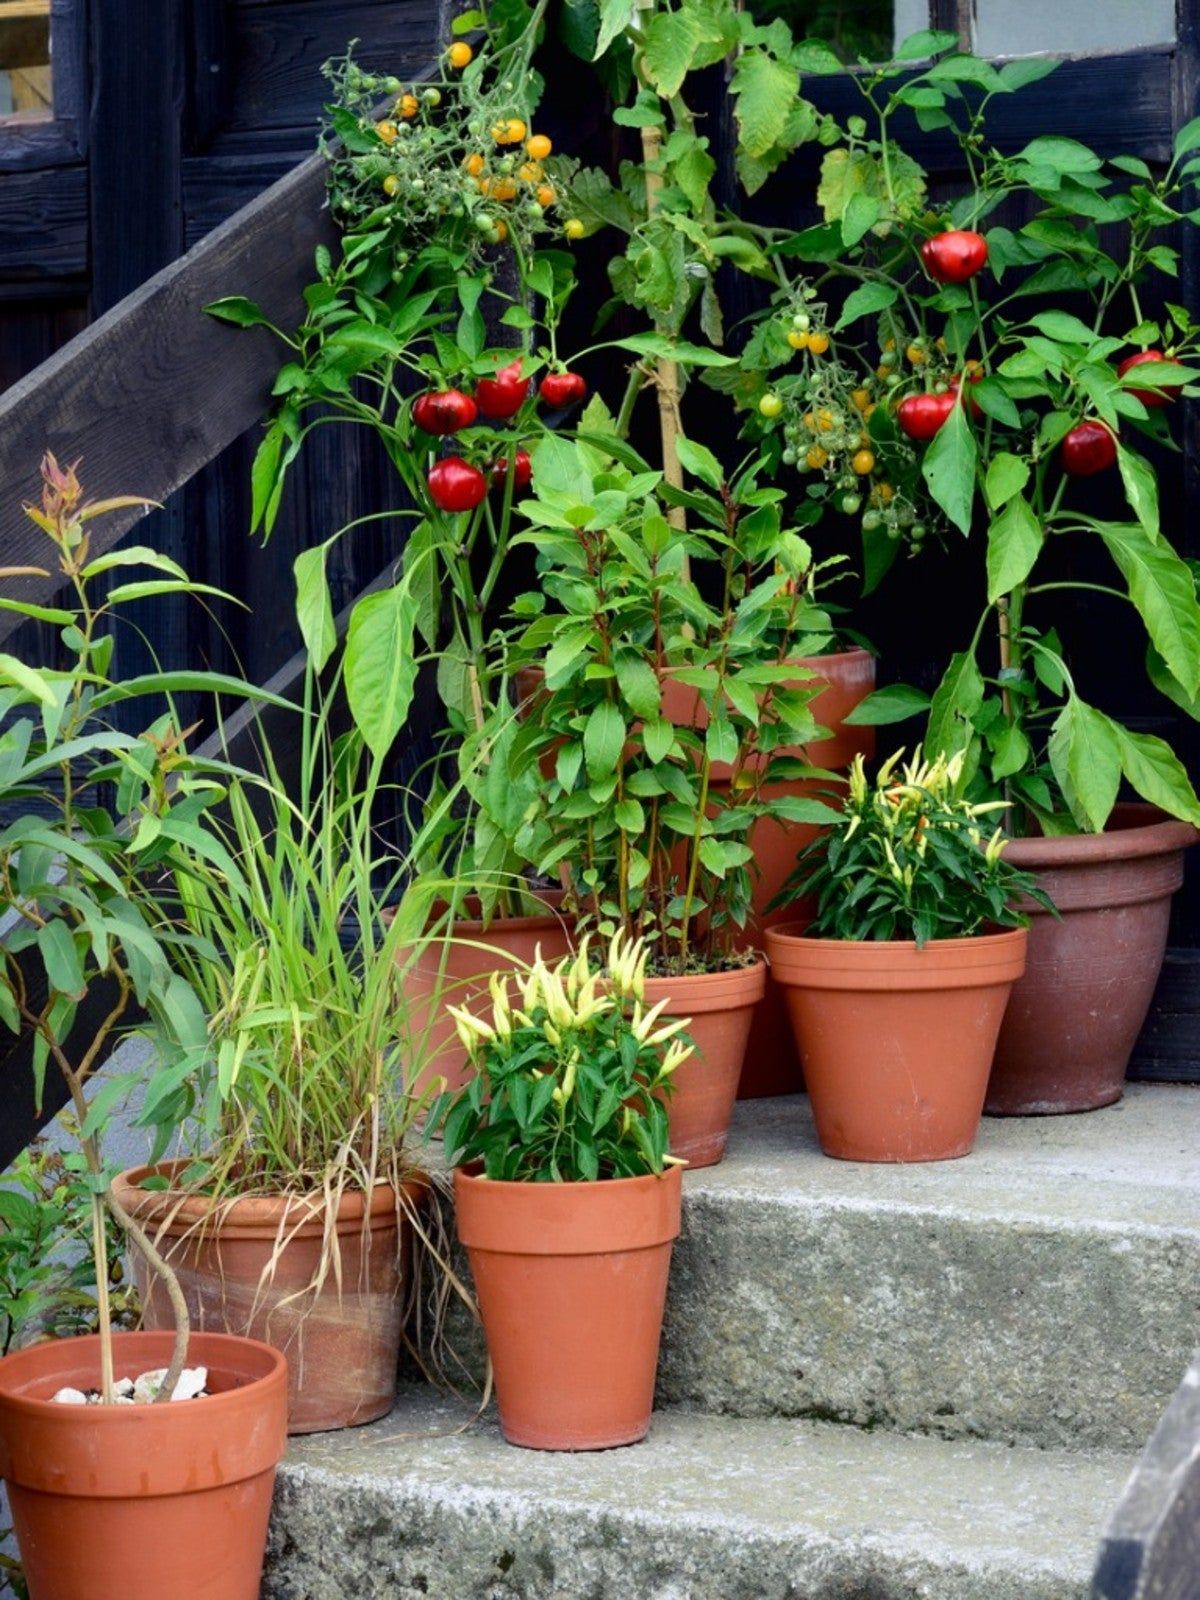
(455, 485)
(444, 411)
(954, 257)
(562, 389)
(1148, 397)
(522, 471)
(1089, 447)
(503, 396)
(923, 415)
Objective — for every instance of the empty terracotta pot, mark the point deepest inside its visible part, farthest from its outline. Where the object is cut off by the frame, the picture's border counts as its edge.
(896, 1042)
(342, 1345)
(142, 1502)
(721, 1006)
(456, 970)
(572, 1282)
(1074, 1017)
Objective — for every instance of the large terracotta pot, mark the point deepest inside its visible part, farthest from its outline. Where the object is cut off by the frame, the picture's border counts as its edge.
(1075, 1016)
(455, 970)
(896, 1042)
(342, 1345)
(721, 1006)
(142, 1502)
(572, 1282)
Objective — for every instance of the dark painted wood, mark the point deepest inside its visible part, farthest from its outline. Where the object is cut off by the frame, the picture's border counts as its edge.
(43, 225)
(1168, 1050)
(1151, 1545)
(57, 141)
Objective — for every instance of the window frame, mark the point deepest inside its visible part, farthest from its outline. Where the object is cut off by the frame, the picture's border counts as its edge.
(57, 140)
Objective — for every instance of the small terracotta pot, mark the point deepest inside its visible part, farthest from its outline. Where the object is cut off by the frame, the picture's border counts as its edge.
(1075, 1016)
(455, 970)
(142, 1502)
(572, 1282)
(721, 1006)
(896, 1042)
(343, 1346)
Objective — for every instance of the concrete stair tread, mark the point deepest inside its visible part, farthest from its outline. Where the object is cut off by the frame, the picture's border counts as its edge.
(708, 1508)
(1133, 1166)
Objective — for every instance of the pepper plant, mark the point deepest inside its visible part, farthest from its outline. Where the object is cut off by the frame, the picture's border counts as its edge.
(985, 408)
(663, 719)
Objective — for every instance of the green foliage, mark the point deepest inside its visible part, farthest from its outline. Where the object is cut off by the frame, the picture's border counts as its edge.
(571, 1081)
(907, 859)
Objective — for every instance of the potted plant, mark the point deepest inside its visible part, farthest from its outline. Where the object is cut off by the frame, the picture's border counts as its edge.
(290, 1206)
(1008, 378)
(567, 1201)
(897, 988)
(665, 727)
(83, 940)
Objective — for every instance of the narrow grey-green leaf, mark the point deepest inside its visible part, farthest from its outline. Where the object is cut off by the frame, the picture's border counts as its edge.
(1141, 486)
(1162, 588)
(380, 665)
(314, 606)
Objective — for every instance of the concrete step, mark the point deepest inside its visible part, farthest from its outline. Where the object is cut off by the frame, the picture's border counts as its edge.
(708, 1508)
(1045, 1290)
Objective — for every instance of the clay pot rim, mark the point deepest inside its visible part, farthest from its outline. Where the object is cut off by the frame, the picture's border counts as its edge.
(710, 991)
(895, 965)
(589, 1217)
(478, 1180)
(214, 1405)
(255, 1214)
(1157, 834)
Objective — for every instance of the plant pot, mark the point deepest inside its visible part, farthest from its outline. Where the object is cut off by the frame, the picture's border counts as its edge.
(572, 1281)
(721, 1006)
(896, 1042)
(342, 1345)
(455, 970)
(142, 1502)
(1075, 1016)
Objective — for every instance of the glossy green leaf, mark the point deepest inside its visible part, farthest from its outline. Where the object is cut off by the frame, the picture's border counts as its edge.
(949, 469)
(1014, 543)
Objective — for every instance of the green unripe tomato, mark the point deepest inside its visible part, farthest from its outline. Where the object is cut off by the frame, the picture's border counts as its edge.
(871, 521)
(789, 458)
(856, 127)
(888, 358)
(917, 532)
(850, 503)
(534, 211)
(810, 294)
(801, 321)
(484, 223)
(432, 97)
(771, 405)
(392, 86)
(893, 380)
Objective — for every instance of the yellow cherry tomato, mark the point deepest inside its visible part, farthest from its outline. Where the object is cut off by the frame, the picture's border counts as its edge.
(484, 184)
(882, 372)
(501, 230)
(573, 228)
(770, 405)
(798, 341)
(531, 172)
(883, 492)
(538, 147)
(824, 420)
(916, 355)
(511, 130)
(407, 106)
(474, 164)
(391, 183)
(869, 409)
(817, 456)
(504, 189)
(889, 344)
(387, 131)
(860, 399)
(545, 195)
(460, 55)
(941, 343)
(863, 462)
(818, 343)
(973, 365)
(810, 422)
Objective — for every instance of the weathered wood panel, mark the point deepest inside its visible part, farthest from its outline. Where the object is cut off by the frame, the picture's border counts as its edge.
(44, 224)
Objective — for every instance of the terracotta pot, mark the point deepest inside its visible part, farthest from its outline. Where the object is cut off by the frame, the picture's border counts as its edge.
(142, 1502)
(721, 1006)
(896, 1042)
(1075, 1016)
(455, 971)
(572, 1281)
(342, 1347)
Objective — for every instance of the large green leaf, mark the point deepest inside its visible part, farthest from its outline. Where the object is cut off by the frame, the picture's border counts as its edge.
(865, 301)
(949, 468)
(1141, 486)
(1014, 542)
(895, 703)
(671, 39)
(1157, 774)
(314, 606)
(958, 697)
(61, 960)
(1162, 588)
(381, 665)
(764, 91)
(1086, 757)
(615, 17)
(603, 739)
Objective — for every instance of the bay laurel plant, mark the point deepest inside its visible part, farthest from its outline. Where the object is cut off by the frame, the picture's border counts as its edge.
(985, 373)
(909, 857)
(664, 719)
(95, 819)
(572, 1074)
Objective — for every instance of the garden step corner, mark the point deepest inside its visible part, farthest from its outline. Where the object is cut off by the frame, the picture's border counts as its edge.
(708, 1508)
